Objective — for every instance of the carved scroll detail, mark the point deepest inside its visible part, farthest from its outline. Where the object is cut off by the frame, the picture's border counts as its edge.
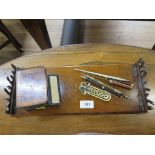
(139, 72)
(11, 91)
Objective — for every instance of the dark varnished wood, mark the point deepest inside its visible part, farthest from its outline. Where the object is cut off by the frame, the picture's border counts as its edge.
(74, 124)
(38, 30)
(70, 80)
(11, 38)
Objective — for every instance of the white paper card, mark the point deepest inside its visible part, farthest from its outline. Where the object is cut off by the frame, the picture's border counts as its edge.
(86, 104)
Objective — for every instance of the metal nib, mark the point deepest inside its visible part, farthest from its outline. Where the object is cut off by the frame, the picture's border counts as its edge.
(126, 97)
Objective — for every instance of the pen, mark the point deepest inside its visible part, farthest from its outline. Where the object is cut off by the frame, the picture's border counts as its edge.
(111, 79)
(104, 86)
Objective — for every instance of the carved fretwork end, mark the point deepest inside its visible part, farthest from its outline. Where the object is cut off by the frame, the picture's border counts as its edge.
(139, 72)
(11, 91)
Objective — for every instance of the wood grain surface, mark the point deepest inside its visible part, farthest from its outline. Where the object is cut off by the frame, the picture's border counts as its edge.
(70, 80)
(75, 124)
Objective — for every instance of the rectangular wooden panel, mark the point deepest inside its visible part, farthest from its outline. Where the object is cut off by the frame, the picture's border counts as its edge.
(71, 96)
(31, 87)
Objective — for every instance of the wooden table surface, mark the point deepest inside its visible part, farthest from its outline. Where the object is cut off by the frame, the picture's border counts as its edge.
(76, 124)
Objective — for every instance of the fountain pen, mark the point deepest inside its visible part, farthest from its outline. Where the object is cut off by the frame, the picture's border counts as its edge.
(104, 86)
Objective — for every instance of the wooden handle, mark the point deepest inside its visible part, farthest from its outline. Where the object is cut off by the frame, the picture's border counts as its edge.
(120, 84)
